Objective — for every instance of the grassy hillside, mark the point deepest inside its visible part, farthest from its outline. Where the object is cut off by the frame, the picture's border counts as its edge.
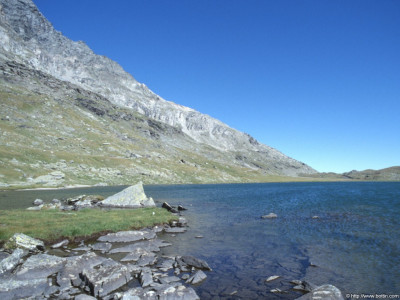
(55, 134)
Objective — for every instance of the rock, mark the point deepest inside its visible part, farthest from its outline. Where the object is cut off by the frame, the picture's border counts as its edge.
(56, 202)
(169, 207)
(303, 286)
(38, 202)
(199, 236)
(182, 222)
(270, 216)
(103, 247)
(271, 278)
(165, 265)
(323, 292)
(192, 262)
(40, 266)
(185, 276)
(181, 208)
(128, 236)
(74, 266)
(84, 297)
(149, 246)
(106, 277)
(139, 294)
(169, 279)
(9, 263)
(178, 293)
(175, 230)
(146, 277)
(35, 207)
(60, 244)
(315, 217)
(11, 288)
(276, 291)
(198, 277)
(20, 240)
(130, 197)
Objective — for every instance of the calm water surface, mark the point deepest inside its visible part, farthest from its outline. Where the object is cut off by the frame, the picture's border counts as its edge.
(355, 243)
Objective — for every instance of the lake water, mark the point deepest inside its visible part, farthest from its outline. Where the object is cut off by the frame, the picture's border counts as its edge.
(354, 244)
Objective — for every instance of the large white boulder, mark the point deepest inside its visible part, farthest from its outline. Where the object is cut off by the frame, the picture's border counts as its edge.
(131, 197)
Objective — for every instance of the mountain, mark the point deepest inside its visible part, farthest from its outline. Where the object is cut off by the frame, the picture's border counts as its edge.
(387, 174)
(62, 104)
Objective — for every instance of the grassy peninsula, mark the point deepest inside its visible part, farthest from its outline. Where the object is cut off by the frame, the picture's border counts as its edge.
(51, 225)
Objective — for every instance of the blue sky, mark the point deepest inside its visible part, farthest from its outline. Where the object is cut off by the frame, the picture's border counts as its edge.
(318, 80)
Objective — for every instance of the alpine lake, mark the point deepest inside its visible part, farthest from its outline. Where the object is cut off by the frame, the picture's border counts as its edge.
(342, 233)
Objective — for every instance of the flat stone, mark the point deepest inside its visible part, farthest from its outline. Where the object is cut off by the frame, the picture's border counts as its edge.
(146, 277)
(169, 279)
(84, 297)
(130, 197)
(148, 259)
(175, 229)
(128, 236)
(11, 288)
(323, 292)
(9, 263)
(197, 277)
(20, 240)
(106, 277)
(40, 266)
(149, 246)
(166, 264)
(103, 247)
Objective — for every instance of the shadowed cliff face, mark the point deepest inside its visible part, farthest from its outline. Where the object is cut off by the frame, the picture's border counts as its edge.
(29, 40)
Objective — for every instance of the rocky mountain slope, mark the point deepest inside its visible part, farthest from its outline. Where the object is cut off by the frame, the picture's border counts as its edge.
(60, 103)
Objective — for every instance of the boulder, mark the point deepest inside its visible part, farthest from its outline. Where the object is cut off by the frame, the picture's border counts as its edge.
(192, 262)
(178, 293)
(20, 240)
(169, 207)
(38, 202)
(130, 197)
(323, 292)
(11, 288)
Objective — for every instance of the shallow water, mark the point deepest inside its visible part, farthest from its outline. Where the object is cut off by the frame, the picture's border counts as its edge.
(355, 242)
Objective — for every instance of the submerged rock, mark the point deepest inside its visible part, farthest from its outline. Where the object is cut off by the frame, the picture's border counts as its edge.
(270, 216)
(323, 292)
(130, 197)
(20, 240)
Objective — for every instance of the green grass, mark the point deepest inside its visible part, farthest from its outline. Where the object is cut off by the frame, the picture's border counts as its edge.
(52, 225)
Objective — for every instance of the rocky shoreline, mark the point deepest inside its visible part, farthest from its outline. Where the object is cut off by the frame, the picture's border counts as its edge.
(122, 265)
